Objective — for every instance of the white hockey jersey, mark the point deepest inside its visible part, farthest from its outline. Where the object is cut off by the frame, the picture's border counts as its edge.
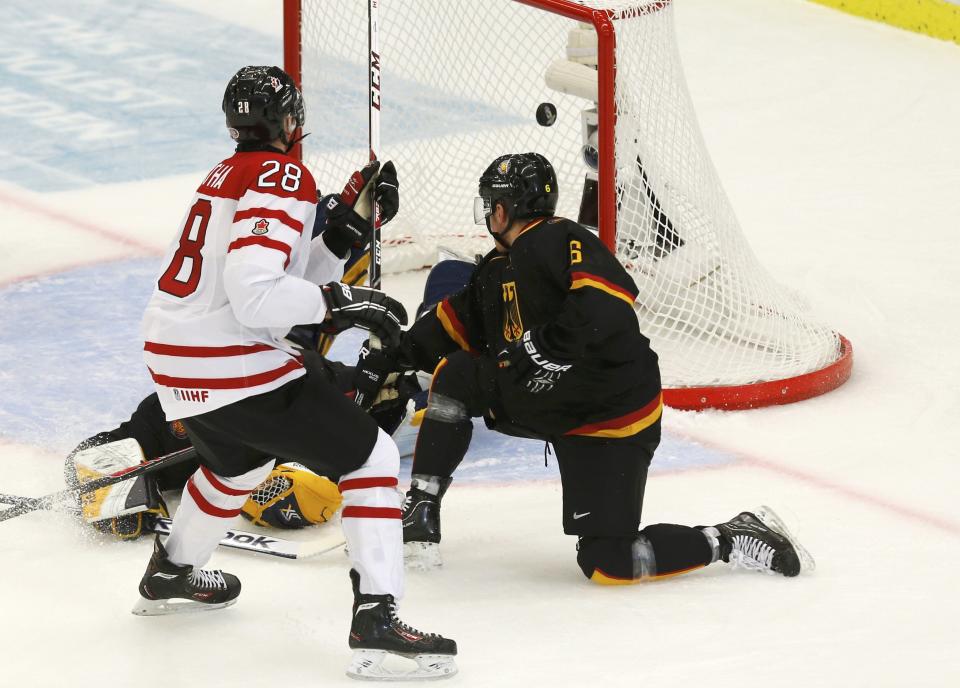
(241, 273)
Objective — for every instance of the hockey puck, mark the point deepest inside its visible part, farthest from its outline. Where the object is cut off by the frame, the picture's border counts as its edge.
(546, 114)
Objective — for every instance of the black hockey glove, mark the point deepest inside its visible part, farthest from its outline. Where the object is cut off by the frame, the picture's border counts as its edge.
(390, 405)
(348, 214)
(388, 192)
(368, 309)
(530, 365)
(374, 369)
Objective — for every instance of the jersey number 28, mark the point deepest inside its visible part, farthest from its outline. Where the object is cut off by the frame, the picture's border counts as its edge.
(191, 241)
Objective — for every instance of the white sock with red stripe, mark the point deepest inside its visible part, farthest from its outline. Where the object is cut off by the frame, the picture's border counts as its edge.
(208, 506)
(371, 520)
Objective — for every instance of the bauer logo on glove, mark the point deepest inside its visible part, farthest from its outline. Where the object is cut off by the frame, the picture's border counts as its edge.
(368, 309)
(292, 497)
(526, 361)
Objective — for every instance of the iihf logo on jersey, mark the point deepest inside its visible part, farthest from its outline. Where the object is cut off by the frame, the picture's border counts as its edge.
(191, 394)
(261, 227)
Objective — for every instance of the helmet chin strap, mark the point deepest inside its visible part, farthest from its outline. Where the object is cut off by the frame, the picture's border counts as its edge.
(293, 143)
(496, 237)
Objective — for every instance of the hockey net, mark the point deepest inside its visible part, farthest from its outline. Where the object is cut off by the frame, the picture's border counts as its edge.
(461, 83)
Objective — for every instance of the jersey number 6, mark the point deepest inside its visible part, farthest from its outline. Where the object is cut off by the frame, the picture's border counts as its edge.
(196, 225)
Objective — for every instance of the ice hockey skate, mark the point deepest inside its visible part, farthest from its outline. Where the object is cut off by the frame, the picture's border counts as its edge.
(760, 541)
(167, 588)
(376, 635)
(421, 522)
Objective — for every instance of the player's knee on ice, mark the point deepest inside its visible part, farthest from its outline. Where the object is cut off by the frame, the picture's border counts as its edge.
(657, 550)
(463, 388)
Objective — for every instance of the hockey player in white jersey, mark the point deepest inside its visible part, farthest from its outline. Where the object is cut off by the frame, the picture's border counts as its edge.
(239, 275)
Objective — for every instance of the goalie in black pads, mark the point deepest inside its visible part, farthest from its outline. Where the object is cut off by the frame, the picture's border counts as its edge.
(543, 343)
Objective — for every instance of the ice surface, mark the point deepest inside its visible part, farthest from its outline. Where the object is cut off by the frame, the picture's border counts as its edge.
(837, 140)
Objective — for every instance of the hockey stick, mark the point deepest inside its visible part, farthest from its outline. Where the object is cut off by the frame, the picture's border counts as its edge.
(374, 344)
(356, 273)
(51, 500)
(235, 539)
(668, 238)
(373, 58)
(262, 544)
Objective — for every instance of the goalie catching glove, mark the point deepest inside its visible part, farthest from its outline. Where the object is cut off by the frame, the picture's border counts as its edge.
(349, 213)
(292, 496)
(530, 365)
(368, 309)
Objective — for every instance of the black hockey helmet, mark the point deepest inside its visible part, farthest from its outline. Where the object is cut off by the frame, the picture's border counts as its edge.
(257, 102)
(525, 183)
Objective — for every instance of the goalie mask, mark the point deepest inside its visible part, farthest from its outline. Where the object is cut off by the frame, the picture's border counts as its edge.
(292, 497)
(525, 183)
(257, 102)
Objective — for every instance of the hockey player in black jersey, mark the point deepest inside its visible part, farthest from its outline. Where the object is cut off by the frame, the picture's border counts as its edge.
(543, 343)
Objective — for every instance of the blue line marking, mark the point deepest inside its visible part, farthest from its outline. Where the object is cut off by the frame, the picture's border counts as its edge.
(71, 365)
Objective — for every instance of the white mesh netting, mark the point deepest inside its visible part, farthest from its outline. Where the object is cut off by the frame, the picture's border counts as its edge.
(270, 489)
(461, 83)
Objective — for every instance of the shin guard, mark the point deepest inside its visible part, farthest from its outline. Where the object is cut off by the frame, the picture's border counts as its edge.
(371, 520)
(208, 505)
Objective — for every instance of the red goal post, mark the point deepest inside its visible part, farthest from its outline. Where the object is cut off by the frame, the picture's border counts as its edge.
(461, 81)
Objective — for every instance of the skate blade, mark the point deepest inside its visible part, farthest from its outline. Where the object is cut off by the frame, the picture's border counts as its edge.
(422, 556)
(368, 665)
(772, 520)
(145, 607)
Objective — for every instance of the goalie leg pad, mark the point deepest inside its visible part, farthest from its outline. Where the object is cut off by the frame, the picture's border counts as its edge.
(120, 509)
(292, 497)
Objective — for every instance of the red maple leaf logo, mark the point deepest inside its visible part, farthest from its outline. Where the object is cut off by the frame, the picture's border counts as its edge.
(261, 226)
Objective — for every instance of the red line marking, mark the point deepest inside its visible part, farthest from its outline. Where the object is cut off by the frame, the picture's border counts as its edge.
(82, 225)
(854, 494)
(57, 269)
(824, 483)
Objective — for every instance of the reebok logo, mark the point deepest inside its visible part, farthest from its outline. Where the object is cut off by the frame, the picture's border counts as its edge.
(579, 516)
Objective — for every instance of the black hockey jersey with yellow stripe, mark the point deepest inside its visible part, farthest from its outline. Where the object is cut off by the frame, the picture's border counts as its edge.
(560, 280)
